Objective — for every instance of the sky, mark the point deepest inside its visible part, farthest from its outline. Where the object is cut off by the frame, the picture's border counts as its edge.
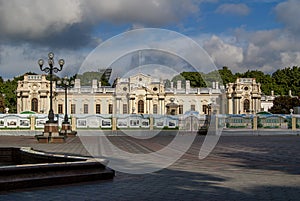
(243, 35)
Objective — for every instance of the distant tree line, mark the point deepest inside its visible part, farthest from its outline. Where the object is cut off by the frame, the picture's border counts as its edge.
(281, 81)
(283, 104)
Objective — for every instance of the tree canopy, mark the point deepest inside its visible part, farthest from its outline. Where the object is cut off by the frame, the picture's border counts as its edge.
(283, 104)
(8, 92)
(281, 81)
(87, 77)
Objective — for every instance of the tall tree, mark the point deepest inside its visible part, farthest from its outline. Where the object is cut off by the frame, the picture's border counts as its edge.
(266, 81)
(227, 75)
(87, 77)
(287, 79)
(195, 78)
(283, 104)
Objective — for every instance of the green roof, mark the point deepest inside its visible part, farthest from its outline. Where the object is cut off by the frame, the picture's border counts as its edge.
(27, 112)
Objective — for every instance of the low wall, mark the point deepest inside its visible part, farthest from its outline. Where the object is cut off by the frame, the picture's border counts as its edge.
(32, 125)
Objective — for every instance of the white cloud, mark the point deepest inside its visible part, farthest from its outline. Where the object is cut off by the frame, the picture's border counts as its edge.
(234, 9)
(288, 13)
(269, 50)
(26, 21)
(150, 12)
(67, 27)
(289, 59)
(35, 19)
(224, 54)
(265, 50)
(17, 60)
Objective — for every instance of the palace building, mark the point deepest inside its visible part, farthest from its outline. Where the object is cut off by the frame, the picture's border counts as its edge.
(142, 94)
(137, 94)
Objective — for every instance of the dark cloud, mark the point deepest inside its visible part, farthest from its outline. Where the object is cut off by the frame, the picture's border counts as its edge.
(71, 25)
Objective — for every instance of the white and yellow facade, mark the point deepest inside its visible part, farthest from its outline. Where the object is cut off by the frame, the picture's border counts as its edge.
(137, 94)
(243, 96)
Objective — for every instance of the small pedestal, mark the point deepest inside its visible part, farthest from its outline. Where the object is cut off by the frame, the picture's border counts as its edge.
(66, 130)
(51, 134)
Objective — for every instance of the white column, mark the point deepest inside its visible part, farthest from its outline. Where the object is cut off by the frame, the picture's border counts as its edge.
(130, 106)
(118, 106)
(27, 102)
(151, 107)
(230, 106)
(160, 106)
(163, 107)
(257, 105)
(22, 104)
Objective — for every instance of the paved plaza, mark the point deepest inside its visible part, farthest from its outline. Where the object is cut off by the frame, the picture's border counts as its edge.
(239, 168)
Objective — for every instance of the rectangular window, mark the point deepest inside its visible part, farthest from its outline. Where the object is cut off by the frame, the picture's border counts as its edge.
(205, 109)
(98, 109)
(155, 109)
(85, 108)
(60, 108)
(193, 108)
(125, 109)
(110, 108)
(180, 109)
(73, 108)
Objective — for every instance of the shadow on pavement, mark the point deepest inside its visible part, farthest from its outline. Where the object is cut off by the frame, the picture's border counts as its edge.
(277, 153)
(163, 185)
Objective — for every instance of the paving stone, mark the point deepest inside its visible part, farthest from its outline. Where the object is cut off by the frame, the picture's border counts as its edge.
(239, 168)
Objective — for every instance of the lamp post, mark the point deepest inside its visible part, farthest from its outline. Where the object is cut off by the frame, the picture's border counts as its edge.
(51, 133)
(51, 69)
(65, 83)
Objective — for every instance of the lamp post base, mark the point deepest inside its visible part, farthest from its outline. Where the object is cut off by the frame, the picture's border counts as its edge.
(51, 129)
(51, 134)
(66, 130)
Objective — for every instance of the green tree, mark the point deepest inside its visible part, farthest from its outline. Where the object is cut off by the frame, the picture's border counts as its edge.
(177, 78)
(213, 76)
(283, 104)
(287, 79)
(266, 80)
(87, 77)
(227, 75)
(8, 89)
(167, 83)
(196, 79)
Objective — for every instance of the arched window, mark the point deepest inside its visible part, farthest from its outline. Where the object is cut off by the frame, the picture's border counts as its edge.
(246, 105)
(34, 105)
(155, 109)
(141, 106)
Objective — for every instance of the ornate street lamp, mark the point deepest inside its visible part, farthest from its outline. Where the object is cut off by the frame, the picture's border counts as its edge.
(66, 83)
(51, 69)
